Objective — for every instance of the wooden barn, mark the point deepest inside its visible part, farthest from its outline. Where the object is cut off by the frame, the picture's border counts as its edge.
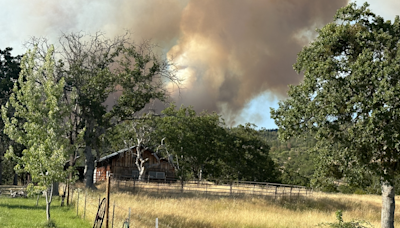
(121, 165)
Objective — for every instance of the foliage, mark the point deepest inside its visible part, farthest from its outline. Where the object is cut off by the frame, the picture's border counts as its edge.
(9, 72)
(202, 146)
(294, 158)
(350, 94)
(38, 122)
(350, 98)
(190, 138)
(245, 155)
(341, 224)
(113, 79)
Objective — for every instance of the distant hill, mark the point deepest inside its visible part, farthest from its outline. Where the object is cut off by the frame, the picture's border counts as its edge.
(293, 157)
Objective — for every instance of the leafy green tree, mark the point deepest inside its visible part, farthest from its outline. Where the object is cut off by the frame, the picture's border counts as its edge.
(9, 72)
(190, 138)
(38, 123)
(245, 155)
(350, 98)
(113, 80)
(204, 148)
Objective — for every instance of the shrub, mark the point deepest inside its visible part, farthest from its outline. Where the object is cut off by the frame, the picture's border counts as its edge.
(341, 224)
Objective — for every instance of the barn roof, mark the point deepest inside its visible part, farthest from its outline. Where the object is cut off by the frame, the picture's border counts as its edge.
(115, 153)
(122, 151)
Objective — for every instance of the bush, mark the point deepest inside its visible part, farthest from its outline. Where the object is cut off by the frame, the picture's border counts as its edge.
(329, 188)
(49, 224)
(341, 224)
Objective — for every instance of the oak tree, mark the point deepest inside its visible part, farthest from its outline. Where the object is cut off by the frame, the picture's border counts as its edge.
(350, 98)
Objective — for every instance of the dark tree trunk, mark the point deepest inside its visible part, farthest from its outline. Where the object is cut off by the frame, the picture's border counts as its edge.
(15, 181)
(388, 205)
(55, 189)
(89, 167)
(1, 170)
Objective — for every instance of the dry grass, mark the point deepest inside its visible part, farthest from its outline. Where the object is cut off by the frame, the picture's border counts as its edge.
(198, 210)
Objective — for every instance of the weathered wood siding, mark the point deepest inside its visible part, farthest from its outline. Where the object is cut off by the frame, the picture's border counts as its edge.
(123, 165)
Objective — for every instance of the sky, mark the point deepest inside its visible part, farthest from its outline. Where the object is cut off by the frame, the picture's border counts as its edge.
(235, 57)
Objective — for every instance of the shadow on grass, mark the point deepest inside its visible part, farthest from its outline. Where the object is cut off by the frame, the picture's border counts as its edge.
(187, 194)
(175, 221)
(295, 203)
(324, 204)
(33, 207)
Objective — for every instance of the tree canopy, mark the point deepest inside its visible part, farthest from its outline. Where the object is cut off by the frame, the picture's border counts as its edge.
(9, 73)
(350, 98)
(204, 147)
(38, 123)
(112, 79)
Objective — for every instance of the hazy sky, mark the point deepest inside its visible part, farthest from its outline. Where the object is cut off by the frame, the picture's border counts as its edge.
(235, 56)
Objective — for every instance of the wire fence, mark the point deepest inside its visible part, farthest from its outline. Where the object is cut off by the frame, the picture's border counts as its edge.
(233, 188)
(87, 204)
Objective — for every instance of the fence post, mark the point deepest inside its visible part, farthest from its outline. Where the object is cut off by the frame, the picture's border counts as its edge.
(108, 199)
(231, 188)
(181, 186)
(112, 222)
(77, 204)
(290, 194)
(72, 194)
(134, 184)
(84, 209)
(156, 222)
(276, 191)
(129, 217)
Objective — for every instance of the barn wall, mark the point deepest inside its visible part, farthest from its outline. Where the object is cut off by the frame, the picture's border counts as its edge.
(123, 165)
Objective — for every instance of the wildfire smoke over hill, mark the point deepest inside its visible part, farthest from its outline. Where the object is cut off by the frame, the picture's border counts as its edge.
(227, 52)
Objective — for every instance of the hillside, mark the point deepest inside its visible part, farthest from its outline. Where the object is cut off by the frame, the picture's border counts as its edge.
(293, 157)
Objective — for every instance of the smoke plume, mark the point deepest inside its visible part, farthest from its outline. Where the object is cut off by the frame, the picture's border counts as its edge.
(227, 51)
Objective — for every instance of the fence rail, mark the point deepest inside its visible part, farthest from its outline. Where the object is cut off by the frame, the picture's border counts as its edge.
(86, 204)
(213, 188)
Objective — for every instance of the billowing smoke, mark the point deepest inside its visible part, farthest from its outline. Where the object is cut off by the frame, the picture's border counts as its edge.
(226, 51)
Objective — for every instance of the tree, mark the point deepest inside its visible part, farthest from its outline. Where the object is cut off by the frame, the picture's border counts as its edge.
(38, 123)
(138, 134)
(245, 155)
(190, 138)
(113, 80)
(202, 147)
(350, 98)
(98, 68)
(9, 72)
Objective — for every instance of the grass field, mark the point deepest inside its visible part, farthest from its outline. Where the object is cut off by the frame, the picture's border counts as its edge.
(23, 213)
(200, 211)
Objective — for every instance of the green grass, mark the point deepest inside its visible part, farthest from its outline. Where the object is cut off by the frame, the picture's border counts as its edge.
(23, 212)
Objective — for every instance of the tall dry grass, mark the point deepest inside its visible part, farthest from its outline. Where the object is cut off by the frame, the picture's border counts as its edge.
(198, 210)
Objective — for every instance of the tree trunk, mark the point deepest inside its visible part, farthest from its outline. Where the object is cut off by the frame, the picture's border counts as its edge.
(1, 170)
(49, 195)
(55, 189)
(388, 205)
(15, 181)
(89, 167)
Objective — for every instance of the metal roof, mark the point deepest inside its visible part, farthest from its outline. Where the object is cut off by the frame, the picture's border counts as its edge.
(115, 153)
